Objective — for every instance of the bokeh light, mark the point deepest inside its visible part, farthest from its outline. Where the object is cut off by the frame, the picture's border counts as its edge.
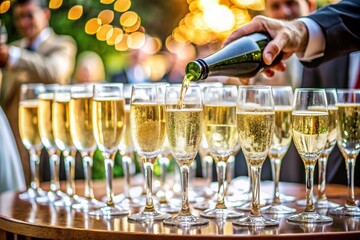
(136, 40)
(92, 26)
(106, 16)
(55, 4)
(122, 45)
(4, 7)
(114, 36)
(122, 5)
(75, 12)
(128, 19)
(107, 1)
(102, 32)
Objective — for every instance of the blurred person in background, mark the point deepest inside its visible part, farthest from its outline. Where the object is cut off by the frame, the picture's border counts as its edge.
(40, 56)
(11, 171)
(89, 68)
(134, 72)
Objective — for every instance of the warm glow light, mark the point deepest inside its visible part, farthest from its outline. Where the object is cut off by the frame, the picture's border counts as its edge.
(55, 4)
(103, 32)
(92, 26)
(219, 18)
(241, 16)
(136, 40)
(134, 27)
(106, 1)
(114, 36)
(106, 16)
(122, 5)
(122, 45)
(152, 45)
(75, 12)
(257, 5)
(156, 67)
(207, 3)
(128, 19)
(4, 7)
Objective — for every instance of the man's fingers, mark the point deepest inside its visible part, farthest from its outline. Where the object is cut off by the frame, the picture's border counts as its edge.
(274, 47)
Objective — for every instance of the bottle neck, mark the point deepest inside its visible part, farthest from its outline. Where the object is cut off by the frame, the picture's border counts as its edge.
(198, 69)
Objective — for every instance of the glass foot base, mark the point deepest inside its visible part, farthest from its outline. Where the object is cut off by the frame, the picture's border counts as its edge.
(168, 208)
(247, 206)
(55, 195)
(279, 209)
(67, 201)
(204, 205)
(221, 214)
(346, 211)
(309, 217)
(88, 204)
(284, 198)
(185, 221)
(258, 222)
(318, 204)
(32, 194)
(326, 204)
(109, 211)
(148, 216)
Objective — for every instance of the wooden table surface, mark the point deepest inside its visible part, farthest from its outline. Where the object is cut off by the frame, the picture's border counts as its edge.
(46, 221)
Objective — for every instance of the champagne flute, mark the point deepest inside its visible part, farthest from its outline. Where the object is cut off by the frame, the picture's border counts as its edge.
(108, 126)
(222, 138)
(183, 127)
(165, 156)
(310, 132)
(126, 150)
(348, 140)
(45, 117)
(322, 201)
(29, 133)
(61, 129)
(256, 122)
(283, 100)
(147, 123)
(81, 130)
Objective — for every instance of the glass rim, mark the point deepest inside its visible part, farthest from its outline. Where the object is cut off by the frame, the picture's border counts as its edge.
(310, 89)
(254, 87)
(348, 90)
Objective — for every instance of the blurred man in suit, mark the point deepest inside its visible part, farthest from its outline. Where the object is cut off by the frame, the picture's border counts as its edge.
(40, 56)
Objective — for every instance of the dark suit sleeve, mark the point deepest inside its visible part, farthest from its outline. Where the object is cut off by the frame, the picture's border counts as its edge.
(340, 24)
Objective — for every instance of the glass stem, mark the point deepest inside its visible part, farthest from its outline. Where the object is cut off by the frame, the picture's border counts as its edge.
(350, 167)
(230, 169)
(164, 163)
(322, 162)
(148, 172)
(34, 167)
(69, 172)
(255, 173)
(221, 173)
(54, 171)
(275, 169)
(184, 175)
(309, 182)
(249, 191)
(126, 164)
(207, 168)
(109, 166)
(87, 164)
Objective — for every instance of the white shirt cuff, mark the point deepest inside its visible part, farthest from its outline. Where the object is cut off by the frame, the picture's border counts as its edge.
(316, 44)
(14, 55)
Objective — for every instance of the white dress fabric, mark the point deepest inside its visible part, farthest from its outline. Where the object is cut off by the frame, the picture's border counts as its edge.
(11, 171)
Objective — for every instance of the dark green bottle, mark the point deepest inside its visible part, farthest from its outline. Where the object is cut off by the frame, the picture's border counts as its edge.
(241, 58)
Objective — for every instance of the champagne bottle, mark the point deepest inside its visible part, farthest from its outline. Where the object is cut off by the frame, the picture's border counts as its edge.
(241, 58)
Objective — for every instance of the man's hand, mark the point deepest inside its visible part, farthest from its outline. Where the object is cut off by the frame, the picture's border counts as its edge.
(4, 54)
(288, 37)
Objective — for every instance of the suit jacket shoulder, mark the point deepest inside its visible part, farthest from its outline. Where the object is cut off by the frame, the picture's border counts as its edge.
(340, 26)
